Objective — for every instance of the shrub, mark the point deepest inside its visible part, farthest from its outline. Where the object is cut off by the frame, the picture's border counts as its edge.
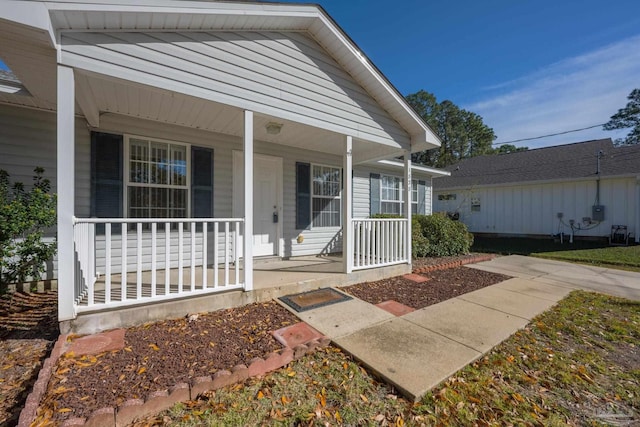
(25, 217)
(444, 237)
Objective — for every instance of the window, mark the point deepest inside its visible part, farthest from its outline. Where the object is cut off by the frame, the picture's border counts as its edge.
(391, 195)
(326, 183)
(446, 196)
(157, 179)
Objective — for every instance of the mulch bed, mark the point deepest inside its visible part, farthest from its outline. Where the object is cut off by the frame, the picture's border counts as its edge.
(159, 355)
(442, 285)
(28, 328)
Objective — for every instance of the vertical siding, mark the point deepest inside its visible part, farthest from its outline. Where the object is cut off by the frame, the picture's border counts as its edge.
(533, 209)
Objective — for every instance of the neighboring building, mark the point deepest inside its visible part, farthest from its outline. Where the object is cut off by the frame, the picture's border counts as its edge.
(190, 125)
(584, 188)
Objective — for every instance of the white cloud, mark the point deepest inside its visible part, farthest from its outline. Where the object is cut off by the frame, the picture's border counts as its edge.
(574, 93)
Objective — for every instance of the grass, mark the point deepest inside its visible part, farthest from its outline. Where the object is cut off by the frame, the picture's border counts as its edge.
(577, 364)
(586, 252)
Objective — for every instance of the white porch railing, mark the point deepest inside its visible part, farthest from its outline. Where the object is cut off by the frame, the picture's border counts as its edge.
(378, 242)
(123, 262)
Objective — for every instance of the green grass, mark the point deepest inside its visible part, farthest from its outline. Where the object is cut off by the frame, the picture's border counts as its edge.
(577, 364)
(587, 252)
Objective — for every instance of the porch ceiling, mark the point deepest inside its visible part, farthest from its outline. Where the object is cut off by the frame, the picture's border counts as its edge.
(113, 96)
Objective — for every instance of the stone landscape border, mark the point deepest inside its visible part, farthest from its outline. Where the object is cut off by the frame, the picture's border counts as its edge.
(161, 400)
(453, 264)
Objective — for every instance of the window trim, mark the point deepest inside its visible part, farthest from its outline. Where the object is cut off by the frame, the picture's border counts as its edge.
(402, 190)
(127, 169)
(312, 195)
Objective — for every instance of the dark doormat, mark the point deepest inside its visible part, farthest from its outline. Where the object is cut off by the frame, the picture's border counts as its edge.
(313, 299)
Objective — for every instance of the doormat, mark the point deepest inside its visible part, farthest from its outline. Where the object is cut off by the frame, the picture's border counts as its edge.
(313, 299)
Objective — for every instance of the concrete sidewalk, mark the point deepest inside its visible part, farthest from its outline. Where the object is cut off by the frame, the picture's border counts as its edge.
(417, 351)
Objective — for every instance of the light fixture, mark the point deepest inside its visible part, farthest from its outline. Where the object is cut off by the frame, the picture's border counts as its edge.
(273, 128)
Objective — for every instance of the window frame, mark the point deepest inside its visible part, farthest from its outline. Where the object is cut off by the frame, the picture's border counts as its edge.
(414, 193)
(314, 196)
(127, 171)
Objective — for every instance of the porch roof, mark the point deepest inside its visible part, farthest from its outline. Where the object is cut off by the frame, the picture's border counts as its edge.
(32, 31)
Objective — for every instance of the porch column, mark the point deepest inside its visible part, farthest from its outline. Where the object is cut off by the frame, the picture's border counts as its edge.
(248, 200)
(347, 203)
(407, 201)
(65, 188)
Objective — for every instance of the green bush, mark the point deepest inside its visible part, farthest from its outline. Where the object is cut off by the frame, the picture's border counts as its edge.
(25, 217)
(442, 236)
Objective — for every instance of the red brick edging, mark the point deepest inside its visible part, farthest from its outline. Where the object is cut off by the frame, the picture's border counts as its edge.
(161, 400)
(28, 413)
(452, 264)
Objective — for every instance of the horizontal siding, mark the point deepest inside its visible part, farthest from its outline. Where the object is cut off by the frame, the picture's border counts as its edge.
(533, 209)
(289, 72)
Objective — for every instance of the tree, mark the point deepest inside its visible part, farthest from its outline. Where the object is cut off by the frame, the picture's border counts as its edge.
(463, 133)
(509, 148)
(627, 117)
(25, 217)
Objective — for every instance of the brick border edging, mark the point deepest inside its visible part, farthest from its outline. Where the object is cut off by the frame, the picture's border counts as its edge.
(452, 264)
(162, 400)
(28, 413)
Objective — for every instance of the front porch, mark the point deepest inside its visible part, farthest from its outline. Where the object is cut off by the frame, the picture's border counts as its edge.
(272, 279)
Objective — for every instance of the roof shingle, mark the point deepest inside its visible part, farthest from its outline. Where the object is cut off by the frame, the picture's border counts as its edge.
(570, 161)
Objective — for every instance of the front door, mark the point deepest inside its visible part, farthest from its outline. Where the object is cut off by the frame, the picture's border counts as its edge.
(267, 184)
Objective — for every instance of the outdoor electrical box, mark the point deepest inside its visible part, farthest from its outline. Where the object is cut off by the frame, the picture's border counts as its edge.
(597, 213)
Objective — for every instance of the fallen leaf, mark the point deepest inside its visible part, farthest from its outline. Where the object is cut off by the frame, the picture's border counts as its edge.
(260, 395)
(64, 410)
(154, 347)
(142, 370)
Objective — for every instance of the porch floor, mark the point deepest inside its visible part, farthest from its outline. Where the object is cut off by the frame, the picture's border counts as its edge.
(271, 279)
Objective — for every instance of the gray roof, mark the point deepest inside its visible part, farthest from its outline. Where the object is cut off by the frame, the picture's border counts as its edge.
(560, 162)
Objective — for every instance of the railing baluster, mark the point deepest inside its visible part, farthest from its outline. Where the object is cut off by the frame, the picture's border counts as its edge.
(107, 267)
(180, 257)
(123, 290)
(236, 260)
(226, 253)
(205, 249)
(154, 242)
(193, 256)
(167, 259)
(216, 247)
(139, 261)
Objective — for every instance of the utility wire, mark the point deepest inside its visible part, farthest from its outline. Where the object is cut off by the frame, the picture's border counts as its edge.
(546, 136)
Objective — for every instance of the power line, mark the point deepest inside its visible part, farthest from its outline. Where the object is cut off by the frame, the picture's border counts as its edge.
(546, 136)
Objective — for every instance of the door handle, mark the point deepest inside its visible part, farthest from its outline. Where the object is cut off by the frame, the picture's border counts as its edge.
(275, 217)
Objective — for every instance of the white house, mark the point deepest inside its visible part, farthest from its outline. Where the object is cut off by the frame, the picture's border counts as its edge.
(175, 131)
(582, 189)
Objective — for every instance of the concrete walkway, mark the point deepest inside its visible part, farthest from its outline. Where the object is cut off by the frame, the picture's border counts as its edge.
(417, 351)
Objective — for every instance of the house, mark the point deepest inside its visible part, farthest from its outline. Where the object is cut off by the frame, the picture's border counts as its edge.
(177, 131)
(582, 189)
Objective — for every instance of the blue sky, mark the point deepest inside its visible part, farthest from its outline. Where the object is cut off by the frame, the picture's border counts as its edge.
(529, 68)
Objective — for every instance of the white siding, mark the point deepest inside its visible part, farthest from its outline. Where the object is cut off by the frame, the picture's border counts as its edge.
(283, 74)
(532, 209)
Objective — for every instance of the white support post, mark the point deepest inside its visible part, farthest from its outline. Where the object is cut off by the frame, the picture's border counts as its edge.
(347, 203)
(65, 188)
(407, 204)
(248, 201)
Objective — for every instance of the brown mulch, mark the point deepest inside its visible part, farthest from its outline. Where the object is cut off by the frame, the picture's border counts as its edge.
(431, 261)
(442, 285)
(159, 355)
(28, 329)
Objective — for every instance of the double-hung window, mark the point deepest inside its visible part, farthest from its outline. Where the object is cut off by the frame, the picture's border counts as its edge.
(157, 179)
(326, 183)
(392, 195)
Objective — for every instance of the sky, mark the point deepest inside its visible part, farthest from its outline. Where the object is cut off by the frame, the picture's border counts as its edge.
(529, 68)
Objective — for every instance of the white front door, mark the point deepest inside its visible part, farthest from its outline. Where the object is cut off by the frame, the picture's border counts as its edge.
(267, 196)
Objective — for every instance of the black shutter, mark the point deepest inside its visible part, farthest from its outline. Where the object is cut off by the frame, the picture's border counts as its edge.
(106, 175)
(374, 193)
(201, 182)
(422, 206)
(303, 195)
